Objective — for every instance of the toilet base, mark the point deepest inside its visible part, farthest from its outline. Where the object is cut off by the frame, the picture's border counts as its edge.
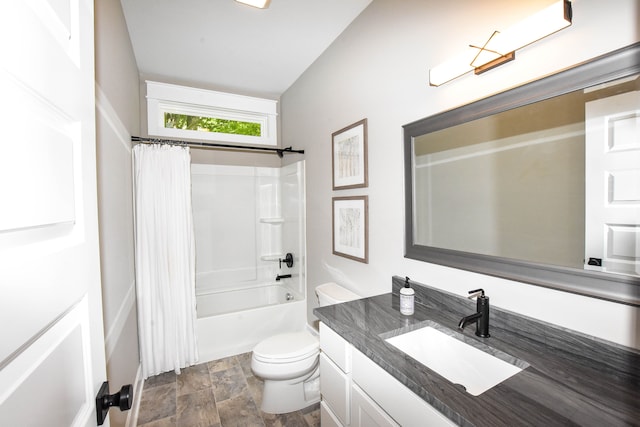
(281, 397)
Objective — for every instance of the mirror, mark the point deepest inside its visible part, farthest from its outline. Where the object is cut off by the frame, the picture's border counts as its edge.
(539, 184)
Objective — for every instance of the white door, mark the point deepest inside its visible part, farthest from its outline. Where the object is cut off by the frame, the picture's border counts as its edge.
(51, 339)
(613, 183)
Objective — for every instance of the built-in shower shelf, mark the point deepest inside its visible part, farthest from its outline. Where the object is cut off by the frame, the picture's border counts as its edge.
(271, 257)
(272, 220)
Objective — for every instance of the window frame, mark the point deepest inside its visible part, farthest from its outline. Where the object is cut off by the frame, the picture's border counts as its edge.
(168, 98)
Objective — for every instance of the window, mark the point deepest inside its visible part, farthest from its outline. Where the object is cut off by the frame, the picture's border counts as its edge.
(185, 112)
(211, 124)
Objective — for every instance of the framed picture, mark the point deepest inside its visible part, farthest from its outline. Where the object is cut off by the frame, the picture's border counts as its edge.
(349, 148)
(351, 227)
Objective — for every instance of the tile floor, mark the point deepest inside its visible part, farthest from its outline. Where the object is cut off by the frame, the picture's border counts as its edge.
(221, 393)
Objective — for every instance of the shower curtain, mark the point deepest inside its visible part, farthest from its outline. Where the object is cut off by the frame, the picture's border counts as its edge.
(165, 258)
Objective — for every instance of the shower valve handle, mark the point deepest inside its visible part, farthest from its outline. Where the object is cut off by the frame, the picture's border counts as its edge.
(288, 260)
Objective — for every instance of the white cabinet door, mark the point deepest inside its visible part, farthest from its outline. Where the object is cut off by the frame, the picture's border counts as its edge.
(366, 413)
(327, 417)
(335, 387)
(612, 193)
(52, 359)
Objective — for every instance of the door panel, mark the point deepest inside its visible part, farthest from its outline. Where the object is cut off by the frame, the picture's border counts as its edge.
(52, 346)
(44, 140)
(57, 356)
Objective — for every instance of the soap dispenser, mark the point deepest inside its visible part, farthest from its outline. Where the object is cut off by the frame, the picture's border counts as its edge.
(407, 296)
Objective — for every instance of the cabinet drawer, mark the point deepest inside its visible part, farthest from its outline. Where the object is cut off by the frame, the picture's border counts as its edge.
(334, 346)
(335, 387)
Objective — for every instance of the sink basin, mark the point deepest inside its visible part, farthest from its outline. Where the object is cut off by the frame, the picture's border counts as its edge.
(461, 363)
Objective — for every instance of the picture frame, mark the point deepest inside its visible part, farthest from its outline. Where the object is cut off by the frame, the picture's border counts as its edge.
(349, 156)
(350, 227)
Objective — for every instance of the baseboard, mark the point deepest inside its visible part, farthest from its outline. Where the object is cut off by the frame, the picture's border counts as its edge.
(132, 418)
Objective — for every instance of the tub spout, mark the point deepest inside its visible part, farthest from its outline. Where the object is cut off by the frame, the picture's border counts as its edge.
(282, 276)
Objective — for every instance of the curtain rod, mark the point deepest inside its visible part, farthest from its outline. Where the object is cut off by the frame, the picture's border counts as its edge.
(279, 151)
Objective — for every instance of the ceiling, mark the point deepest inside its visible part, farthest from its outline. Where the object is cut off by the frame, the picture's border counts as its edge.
(229, 46)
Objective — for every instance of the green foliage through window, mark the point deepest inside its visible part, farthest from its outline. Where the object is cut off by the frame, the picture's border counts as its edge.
(210, 124)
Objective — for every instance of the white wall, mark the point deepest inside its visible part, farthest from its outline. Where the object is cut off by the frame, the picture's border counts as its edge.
(378, 69)
(117, 118)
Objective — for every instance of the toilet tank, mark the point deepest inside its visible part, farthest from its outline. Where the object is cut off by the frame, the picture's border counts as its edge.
(332, 293)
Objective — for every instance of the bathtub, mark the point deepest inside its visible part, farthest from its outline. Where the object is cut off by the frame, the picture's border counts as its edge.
(233, 322)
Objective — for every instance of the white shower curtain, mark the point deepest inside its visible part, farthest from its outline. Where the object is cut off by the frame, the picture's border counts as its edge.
(165, 258)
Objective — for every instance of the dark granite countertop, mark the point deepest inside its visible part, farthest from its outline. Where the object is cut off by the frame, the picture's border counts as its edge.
(572, 378)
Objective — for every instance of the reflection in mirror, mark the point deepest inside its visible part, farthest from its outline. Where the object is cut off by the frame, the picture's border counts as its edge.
(551, 186)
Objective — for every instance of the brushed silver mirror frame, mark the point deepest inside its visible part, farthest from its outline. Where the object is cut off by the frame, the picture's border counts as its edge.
(618, 64)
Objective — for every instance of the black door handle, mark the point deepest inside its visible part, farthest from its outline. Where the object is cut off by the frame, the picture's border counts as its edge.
(104, 400)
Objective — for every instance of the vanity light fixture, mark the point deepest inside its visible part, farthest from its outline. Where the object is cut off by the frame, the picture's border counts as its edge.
(260, 4)
(502, 45)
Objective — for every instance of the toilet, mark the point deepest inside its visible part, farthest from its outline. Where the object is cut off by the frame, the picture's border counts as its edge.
(288, 363)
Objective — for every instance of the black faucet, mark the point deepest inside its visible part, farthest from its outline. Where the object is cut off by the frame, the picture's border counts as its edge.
(282, 276)
(481, 316)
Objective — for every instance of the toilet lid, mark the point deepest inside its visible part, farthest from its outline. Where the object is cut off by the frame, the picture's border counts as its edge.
(287, 347)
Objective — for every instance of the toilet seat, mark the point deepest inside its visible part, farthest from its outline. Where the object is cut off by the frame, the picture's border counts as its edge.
(287, 348)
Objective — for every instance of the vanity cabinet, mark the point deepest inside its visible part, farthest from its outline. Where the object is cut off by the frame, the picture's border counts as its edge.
(357, 392)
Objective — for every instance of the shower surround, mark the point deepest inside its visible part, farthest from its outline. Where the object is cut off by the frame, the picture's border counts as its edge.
(246, 220)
